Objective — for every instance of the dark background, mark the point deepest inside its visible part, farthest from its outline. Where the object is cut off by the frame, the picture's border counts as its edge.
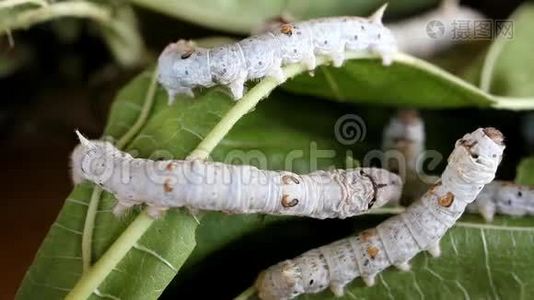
(66, 83)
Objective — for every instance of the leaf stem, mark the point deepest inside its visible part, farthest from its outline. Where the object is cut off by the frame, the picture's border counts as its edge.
(246, 294)
(88, 228)
(490, 61)
(513, 103)
(12, 3)
(145, 111)
(92, 278)
(76, 9)
(90, 218)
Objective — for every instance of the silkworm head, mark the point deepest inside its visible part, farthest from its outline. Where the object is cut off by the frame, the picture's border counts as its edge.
(387, 187)
(76, 164)
(93, 160)
(183, 66)
(478, 155)
(513, 199)
(280, 281)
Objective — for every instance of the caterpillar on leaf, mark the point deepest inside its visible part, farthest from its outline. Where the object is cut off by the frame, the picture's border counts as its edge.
(405, 133)
(471, 165)
(204, 185)
(182, 66)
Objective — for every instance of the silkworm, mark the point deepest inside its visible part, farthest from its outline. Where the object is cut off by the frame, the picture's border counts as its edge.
(405, 133)
(204, 185)
(434, 31)
(182, 66)
(471, 165)
(403, 144)
(503, 197)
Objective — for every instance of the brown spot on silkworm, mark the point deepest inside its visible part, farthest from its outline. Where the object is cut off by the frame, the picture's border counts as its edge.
(468, 145)
(287, 203)
(367, 234)
(186, 47)
(187, 54)
(167, 186)
(372, 251)
(170, 166)
(447, 200)
(494, 134)
(286, 29)
(287, 179)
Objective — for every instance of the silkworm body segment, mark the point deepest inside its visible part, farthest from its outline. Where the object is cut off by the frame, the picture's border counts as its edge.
(182, 66)
(472, 164)
(232, 188)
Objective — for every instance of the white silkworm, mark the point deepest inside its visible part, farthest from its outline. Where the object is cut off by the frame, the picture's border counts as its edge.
(434, 31)
(405, 133)
(471, 165)
(182, 66)
(505, 198)
(403, 144)
(206, 185)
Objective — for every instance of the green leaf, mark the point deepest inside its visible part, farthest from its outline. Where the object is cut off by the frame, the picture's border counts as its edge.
(242, 16)
(525, 172)
(408, 82)
(507, 69)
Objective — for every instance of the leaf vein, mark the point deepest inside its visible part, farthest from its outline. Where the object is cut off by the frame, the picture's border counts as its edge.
(105, 296)
(72, 200)
(155, 254)
(59, 225)
(487, 264)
